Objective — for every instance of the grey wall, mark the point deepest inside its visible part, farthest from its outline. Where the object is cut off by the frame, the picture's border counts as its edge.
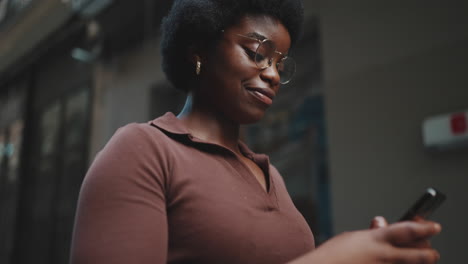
(122, 91)
(387, 66)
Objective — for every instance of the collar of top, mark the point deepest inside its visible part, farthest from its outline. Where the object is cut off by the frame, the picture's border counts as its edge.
(172, 125)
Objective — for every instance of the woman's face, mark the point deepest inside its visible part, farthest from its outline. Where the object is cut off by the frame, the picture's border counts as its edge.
(231, 83)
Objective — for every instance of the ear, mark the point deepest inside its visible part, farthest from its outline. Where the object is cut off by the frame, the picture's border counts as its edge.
(194, 55)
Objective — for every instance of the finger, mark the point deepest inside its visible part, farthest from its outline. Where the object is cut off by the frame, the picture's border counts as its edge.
(420, 219)
(408, 232)
(378, 222)
(413, 256)
(423, 244)
(417, 244)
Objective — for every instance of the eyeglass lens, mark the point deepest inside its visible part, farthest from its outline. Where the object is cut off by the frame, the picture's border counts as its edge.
(265, 55)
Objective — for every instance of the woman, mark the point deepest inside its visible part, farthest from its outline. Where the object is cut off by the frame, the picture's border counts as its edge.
(185, 190)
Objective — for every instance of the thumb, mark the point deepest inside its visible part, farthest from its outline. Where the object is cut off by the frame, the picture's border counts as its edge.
(378, 222)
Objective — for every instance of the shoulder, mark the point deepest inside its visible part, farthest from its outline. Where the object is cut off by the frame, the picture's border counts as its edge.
(138, 138)
(138, 132)
(137, 146)
(135, 157)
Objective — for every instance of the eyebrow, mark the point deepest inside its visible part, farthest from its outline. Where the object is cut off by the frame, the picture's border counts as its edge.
(256, 35)
(260, 37)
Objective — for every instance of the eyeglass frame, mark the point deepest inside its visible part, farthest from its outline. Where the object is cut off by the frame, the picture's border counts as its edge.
(270, 61)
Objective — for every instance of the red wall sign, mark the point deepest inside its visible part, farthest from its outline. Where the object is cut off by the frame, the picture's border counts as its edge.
(458, 123)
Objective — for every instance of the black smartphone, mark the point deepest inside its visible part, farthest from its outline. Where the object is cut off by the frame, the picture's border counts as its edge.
(426, 205)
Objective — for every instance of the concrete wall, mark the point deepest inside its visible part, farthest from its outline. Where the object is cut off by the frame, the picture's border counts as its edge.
(122, 91)
(387, 66)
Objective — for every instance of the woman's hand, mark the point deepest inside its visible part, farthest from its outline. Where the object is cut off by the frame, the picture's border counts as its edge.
(380, 221)
(396, 243)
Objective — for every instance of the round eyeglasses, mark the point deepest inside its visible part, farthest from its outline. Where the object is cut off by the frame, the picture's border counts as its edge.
(264, 57)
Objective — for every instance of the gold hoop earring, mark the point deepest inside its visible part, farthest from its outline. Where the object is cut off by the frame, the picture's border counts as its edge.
(198, 68)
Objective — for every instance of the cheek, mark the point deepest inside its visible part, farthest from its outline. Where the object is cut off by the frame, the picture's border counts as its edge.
(233, 66)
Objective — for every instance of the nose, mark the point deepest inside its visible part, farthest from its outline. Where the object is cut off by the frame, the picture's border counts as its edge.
(270, 75)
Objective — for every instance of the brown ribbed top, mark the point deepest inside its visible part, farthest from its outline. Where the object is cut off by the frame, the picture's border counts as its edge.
(156, 194)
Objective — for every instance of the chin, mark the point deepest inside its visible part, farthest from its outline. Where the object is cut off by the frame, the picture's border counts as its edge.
(251, 117)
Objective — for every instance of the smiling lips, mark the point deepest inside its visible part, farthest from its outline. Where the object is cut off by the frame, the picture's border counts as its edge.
(264, 95)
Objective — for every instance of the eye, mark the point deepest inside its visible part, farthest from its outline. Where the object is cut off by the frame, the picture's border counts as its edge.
(250, 53)
(260, 58)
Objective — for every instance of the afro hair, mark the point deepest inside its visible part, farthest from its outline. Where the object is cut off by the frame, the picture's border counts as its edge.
(199, 23)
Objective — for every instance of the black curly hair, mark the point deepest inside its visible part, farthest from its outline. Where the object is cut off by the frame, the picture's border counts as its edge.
(198, 23)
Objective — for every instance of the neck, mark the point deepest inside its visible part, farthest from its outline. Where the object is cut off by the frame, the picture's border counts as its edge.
(209, 125)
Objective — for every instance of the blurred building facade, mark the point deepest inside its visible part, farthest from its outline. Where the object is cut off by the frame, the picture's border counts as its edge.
(72, 72)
